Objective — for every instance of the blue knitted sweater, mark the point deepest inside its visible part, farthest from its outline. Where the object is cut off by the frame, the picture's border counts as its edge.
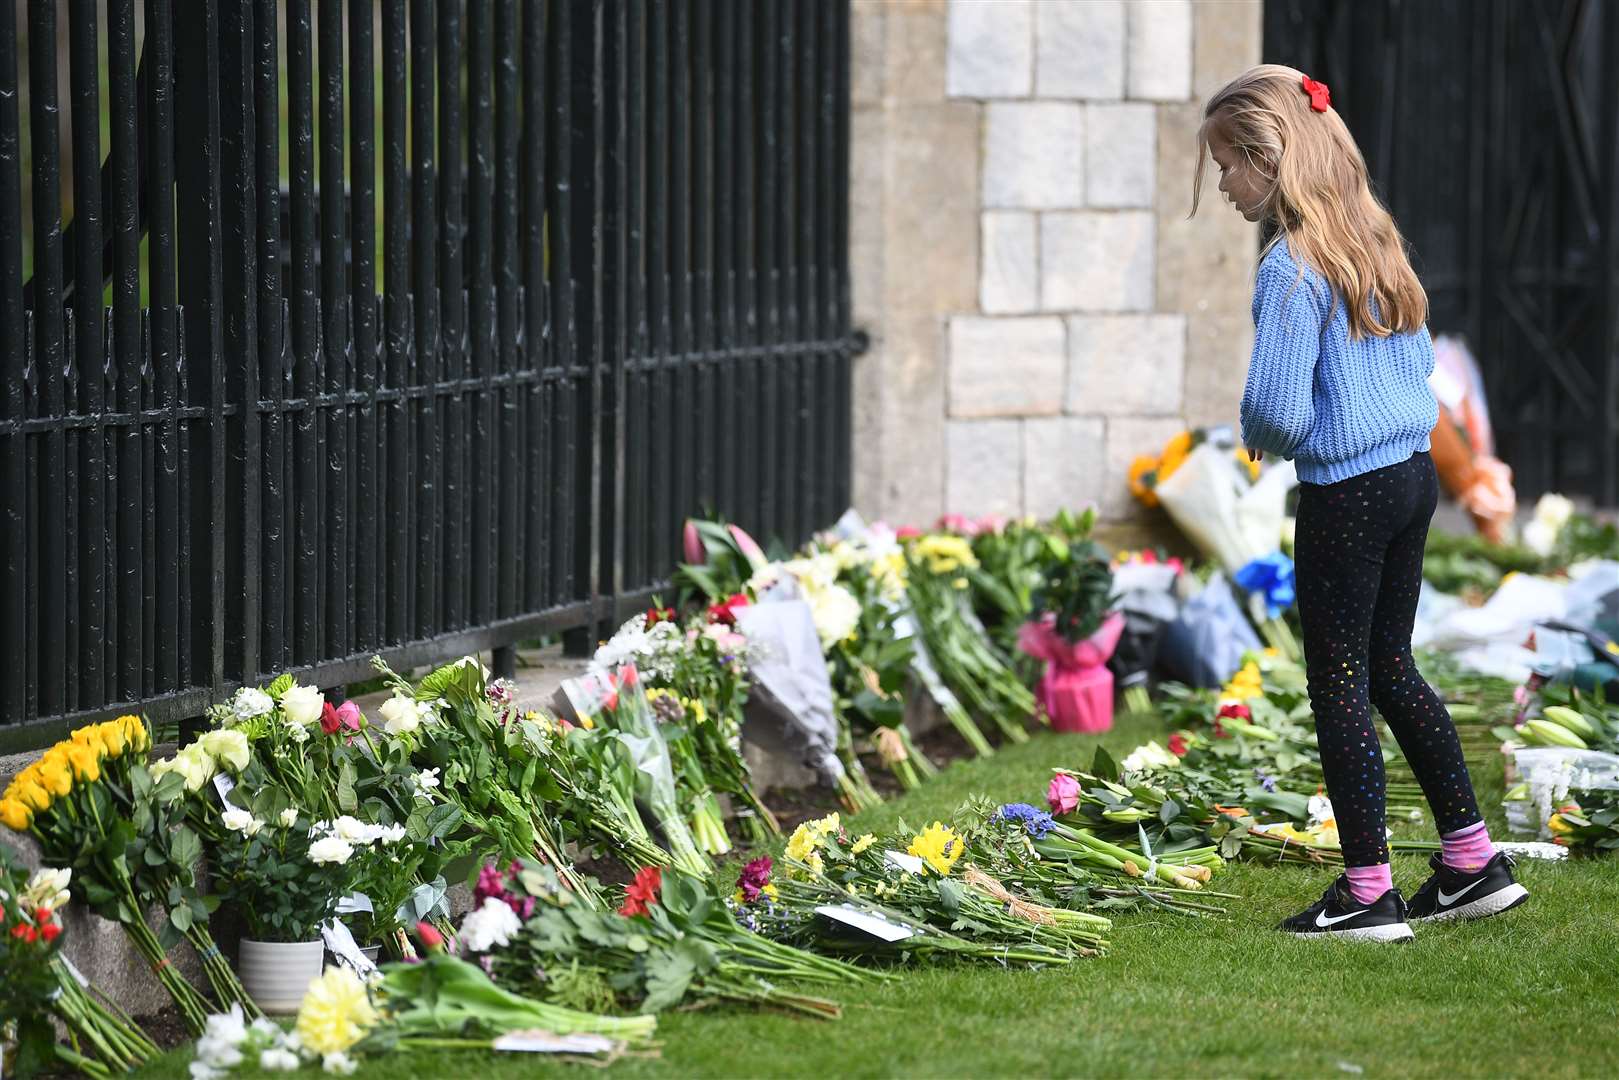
(1338, 407)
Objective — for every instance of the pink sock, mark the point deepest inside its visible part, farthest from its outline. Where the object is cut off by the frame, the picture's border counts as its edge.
(1367, 883)
(1467, 849)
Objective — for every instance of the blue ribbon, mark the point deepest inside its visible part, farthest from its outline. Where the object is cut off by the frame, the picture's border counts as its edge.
(1272, 577)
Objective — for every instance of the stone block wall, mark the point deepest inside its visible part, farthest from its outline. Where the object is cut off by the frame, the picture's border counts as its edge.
(1040, 308)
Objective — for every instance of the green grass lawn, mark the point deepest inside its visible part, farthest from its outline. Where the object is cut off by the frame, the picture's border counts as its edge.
(1533, 992)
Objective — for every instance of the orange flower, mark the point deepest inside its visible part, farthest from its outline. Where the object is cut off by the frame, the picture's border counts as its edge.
(1174, 454)
(1142, 477)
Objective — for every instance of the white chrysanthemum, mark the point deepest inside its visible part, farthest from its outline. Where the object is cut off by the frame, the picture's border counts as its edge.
(491, 925)
(249, 702)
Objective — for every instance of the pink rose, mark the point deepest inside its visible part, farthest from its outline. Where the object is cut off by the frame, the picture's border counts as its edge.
(1063, 794)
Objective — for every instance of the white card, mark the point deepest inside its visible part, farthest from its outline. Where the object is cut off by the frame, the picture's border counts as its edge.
(536, 1041)
(224, 785)
(875, 925)
(908, 863)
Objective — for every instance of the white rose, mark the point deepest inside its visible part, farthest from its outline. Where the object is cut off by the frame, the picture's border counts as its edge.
(330, 849)
(192, 763)
(238, 820)
(392, 834)
(337, 1063)
(426, 781)
(249, 702)
(227, 746)
(301, 705)
(352, 829)
(489, 926)
(289, 817)
(276, 1059)
(400, 716)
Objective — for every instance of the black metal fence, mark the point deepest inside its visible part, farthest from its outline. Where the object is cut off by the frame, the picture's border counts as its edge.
(611, 243)
(1491, 128)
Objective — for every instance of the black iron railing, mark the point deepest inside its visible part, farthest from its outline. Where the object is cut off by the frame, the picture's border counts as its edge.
(610, 239)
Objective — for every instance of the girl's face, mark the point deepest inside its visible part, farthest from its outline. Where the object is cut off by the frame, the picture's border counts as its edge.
(1240, 182)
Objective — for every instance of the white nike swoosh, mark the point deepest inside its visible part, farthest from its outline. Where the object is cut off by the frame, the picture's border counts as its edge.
(1447, 899)
(1322, 921)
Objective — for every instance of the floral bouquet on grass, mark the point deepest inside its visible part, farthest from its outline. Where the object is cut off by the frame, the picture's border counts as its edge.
(40, 985)
(96, 809)
(480, 775)
(438, 1003)
(671, 941)
(616, 704)
(871, 667)
(957, 644)
(874, 900)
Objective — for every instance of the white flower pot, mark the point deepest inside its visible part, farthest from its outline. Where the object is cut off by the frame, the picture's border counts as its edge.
(276, 973)
(371, 952)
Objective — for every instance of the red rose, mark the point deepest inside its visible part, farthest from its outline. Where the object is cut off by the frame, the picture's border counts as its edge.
(726, 612)
(49, 931)
(1235, 710)
(1177, 744)
(330, 723)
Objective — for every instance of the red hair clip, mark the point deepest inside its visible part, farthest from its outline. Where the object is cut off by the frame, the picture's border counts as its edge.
(1320, 96)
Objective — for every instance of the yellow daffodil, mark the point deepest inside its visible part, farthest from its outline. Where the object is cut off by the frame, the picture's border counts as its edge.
(938, 846)
(696, 710)
(336, 1012)
(863, 843)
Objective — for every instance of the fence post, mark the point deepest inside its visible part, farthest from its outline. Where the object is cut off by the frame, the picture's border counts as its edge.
(196, 72)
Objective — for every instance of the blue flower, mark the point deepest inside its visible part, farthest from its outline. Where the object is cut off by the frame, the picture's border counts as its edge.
(1035, 822)
(1272, 577)
(1266, 781)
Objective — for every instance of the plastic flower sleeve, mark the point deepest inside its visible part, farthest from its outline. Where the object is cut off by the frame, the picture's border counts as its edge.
(1206, 643)
(617, 703)
(1228, 519)
(789, 710)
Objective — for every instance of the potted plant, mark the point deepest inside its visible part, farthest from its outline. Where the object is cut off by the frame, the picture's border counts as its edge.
(285, 875)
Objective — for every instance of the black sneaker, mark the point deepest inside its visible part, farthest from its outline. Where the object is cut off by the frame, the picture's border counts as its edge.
(1339, 915)
(1457, 894)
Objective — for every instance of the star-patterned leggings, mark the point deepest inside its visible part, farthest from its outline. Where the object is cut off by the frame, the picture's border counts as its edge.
(1359, 548)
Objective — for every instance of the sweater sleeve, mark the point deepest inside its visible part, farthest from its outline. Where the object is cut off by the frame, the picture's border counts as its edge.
(1278, 402)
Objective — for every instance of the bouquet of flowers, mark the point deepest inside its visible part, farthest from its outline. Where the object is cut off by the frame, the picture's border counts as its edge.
(957, 643)
(96, 809)
(672, 940)
(439, 1002)
(617, 706)
(40, 985)
(872, 899)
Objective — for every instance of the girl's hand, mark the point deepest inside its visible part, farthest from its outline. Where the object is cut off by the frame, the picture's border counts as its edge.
(1255, 455)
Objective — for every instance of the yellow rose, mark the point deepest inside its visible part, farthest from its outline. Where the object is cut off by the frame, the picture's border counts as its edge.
(32, 795)
(86, 764)
(15, 814)
(135, 733)
(56, 778)
(112, 737)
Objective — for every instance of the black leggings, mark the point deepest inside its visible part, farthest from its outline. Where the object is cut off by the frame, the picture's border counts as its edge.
(1359, 552)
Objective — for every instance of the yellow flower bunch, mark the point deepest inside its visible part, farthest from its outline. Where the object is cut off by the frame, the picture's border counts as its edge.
(889, 572)
(336, 1012)
(946, 554)
(78, 758)
(938, 846)
(803, 845)
(1247, 683)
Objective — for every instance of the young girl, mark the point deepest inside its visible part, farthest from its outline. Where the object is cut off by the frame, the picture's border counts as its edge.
(1339, 383)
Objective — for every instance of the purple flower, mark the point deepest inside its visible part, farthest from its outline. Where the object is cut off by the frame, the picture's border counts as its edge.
(1266, 781)
(1036, 822)
(755, 876)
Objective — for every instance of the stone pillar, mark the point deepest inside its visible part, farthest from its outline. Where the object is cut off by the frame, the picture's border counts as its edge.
(1040, 309)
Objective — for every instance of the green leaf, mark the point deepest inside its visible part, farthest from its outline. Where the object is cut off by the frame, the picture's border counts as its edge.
(347, 801)
(181, 918)
(1103, 766)
(1169, 811)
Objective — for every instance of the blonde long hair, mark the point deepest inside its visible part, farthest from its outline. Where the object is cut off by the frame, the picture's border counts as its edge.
(1320, 196)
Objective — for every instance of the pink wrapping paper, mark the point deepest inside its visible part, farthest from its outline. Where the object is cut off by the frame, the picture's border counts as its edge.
(1076, 691)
